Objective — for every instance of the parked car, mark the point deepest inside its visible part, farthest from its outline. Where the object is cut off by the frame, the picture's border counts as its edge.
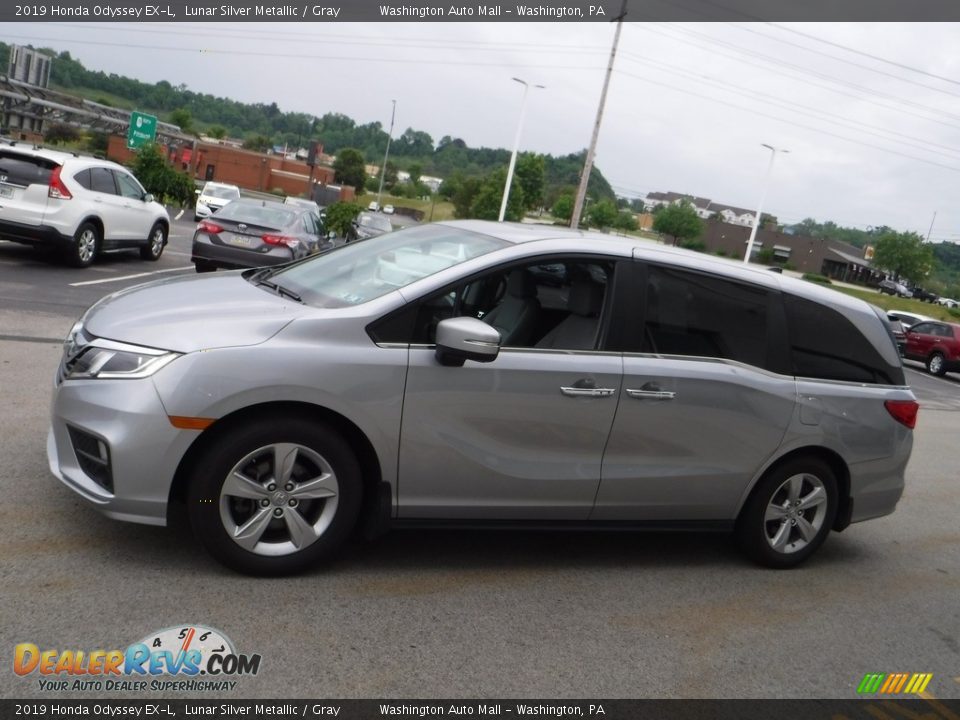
(374, 206)
(908, 319)
(892, 287)
(213, 197)
(923, 295)
(301, 202)
(426, 375)
(936, 344)
(79, 206)
(948, 302)
(898, 331)
(368, 225)
(388, 209)
(253, 233)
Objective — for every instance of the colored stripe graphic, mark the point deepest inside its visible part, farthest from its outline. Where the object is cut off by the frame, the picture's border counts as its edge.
(894, 683)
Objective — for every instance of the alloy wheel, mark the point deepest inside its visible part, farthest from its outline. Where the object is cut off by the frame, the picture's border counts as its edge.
(795, 513)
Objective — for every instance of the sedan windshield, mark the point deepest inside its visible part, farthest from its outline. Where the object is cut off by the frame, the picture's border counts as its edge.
(225, 193)
(358, 272)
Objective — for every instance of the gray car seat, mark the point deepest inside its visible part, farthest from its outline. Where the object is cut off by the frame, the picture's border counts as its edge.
(578, 331)
(516, 315)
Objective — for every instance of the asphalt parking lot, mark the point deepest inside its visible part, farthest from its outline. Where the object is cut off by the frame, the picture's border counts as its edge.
(469, 614)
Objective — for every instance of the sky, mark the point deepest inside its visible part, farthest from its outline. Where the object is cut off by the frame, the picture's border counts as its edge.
(868, 112)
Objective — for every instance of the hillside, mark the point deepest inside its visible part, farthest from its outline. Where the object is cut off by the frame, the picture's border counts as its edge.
(334, 130)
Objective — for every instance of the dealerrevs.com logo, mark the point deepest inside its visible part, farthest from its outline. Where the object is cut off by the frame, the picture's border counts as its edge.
(189, 658)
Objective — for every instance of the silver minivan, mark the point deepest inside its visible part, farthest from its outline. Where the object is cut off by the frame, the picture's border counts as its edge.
(484, 373)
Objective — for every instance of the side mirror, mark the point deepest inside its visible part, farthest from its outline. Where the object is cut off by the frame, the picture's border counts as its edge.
(148, 198)
(196, 192)
(466, 338)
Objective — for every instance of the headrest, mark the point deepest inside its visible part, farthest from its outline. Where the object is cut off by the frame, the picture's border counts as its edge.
(586, 298)
(521, 284)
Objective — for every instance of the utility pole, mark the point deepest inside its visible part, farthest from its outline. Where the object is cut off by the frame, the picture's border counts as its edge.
(763, 196)
(931, 226)
(383, 170)
(591, 151)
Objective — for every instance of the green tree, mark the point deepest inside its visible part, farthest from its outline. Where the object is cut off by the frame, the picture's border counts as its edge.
(340, 217)
(415, 170)
(602, 214)
(626, 221)
(182, 118)
(217, 131)
(61, 132)
(904, 254)
(259, 143)
(463, 195)
(529, 174)
(563, 208)
(679, 221)
(151, 168)
(486, 204)
(350, 169)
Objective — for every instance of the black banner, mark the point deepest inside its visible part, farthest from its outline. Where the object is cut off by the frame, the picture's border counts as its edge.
(872, 709)
(333, 11)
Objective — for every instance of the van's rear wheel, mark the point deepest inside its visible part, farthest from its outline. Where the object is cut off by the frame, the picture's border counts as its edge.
(789, 514)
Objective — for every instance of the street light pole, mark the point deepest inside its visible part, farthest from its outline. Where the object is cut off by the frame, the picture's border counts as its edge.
(383, 170)
(763, 196)
(516, 145)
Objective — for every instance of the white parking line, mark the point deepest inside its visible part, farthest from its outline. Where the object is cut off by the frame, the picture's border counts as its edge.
(931, 377)
(128, 277)
(179, 215)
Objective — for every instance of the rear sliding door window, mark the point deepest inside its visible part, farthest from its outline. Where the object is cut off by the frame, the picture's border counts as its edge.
(688, 313)
(826, 345)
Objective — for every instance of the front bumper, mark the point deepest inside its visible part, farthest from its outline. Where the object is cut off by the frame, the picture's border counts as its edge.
(145, 449)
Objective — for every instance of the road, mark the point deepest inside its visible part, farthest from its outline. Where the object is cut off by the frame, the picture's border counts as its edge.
(468, 614)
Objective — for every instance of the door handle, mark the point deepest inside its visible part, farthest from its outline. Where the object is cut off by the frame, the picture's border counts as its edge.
(587, 392)
(651, 391)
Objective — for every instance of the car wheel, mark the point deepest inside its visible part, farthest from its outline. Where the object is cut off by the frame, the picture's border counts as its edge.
(789, 514)
(936, 364)
(204, 267)
(155, 243)
(275, 497)
(86, 244)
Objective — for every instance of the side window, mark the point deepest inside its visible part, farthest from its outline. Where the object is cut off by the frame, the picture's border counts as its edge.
(688, 313)
(942, 331)
(923, 328)
(554, 305)
(101, 180)
(83, 178)
(824, 344)
(309, 224)
(129, 187)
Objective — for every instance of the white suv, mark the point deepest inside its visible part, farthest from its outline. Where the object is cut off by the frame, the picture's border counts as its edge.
(81, 206)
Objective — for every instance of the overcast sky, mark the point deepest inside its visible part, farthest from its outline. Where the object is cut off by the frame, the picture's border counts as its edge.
(870, 113)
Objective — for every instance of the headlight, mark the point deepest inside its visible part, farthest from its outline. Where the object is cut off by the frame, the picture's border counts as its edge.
(108, 359)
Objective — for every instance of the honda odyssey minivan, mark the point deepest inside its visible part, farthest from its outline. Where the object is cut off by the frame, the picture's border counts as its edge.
(484, 373)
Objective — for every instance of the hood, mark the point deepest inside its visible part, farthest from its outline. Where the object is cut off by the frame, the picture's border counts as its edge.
(192, 313)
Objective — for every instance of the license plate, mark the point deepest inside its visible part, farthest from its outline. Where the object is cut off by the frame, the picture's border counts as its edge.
(6, 192)
(241, 240)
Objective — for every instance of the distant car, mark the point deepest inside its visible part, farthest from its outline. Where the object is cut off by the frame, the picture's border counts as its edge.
(368, 225)
(79, 206)
(936, 344)
(898, 331)
(947, 302)
(253, 233)
(388, 209)
(924, 295)
(374, 206)
(301, 202)
(212, 197)
(892, 287)
(907, 318)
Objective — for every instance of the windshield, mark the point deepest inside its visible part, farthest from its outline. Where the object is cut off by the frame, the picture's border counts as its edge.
(225, 193)
(271, 216)
(375, 222)
(358, 272)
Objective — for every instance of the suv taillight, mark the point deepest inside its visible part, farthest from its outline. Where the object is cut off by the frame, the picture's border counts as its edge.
(57, 189)
(903, 411)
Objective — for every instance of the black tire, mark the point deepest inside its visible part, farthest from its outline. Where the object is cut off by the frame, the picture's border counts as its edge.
(757, 535)
(248, 448)
(156, 241)
(85, 246)
(937, 364)
(204, 267)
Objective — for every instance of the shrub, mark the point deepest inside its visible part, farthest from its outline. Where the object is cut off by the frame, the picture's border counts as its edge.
(814, 277)
(720, 253)
(697, 245)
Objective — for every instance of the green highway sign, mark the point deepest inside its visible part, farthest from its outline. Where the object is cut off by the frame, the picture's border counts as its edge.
(142, 130)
